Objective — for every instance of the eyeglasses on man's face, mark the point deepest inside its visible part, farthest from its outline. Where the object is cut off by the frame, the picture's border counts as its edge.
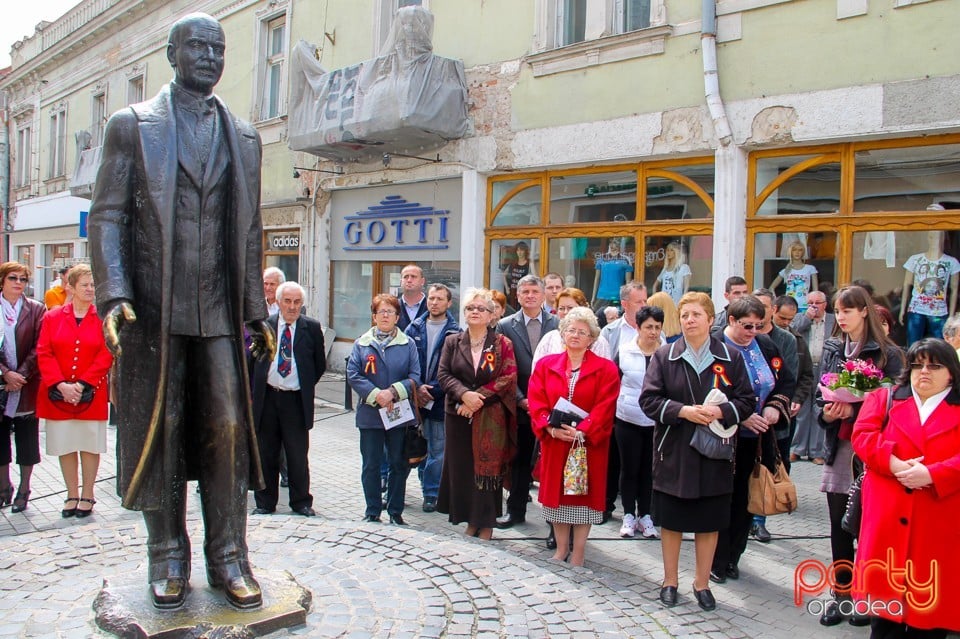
(23, 279)
(918, 366)
(385, 312)
(747, 326)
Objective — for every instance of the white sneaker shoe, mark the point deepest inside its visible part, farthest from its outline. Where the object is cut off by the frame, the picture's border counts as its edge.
(629, 527)
(647, 528)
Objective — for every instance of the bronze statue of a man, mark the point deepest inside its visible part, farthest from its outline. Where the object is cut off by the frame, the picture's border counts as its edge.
(175, 237)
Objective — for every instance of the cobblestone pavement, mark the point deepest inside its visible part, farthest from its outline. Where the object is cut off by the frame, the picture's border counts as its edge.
(423, 580)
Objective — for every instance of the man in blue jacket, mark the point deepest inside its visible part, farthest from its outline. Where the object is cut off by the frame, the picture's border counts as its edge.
(428, 332)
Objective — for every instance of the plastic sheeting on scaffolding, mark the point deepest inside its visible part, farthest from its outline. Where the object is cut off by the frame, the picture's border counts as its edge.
(403, 101)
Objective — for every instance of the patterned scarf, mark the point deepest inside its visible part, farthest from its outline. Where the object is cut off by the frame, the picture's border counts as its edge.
(495, 425)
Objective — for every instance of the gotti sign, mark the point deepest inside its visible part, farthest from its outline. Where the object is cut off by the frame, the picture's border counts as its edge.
(396, 223)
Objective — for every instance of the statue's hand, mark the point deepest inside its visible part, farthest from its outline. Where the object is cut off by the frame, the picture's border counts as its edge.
(122, 312)
(263, 342)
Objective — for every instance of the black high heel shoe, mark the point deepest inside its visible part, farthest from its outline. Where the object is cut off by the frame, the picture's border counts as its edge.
(20, 502)
(69, 512)
(6, 495)
(81, 513)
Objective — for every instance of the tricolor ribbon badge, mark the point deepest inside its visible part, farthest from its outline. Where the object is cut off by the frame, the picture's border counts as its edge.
(776, 363)
(720, 375)
(371, 367)
(488, 361)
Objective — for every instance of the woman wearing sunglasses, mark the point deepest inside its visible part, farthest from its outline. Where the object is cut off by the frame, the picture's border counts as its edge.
(858, 335)
(478, 375)
(773, 386)
(914, 472)
(22, 318)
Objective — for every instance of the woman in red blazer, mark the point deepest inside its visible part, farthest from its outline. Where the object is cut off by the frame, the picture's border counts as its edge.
(73, 361)
(592, 383)
(910, 494)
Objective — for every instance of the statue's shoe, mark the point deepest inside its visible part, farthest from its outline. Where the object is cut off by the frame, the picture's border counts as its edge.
(239, 587)
(169, 593)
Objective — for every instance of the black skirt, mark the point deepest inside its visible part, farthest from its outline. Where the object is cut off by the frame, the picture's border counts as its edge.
(702, 514)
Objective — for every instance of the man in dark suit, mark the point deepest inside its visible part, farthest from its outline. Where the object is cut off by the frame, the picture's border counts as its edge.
(525, 328)
(283, 401)
(175, 170)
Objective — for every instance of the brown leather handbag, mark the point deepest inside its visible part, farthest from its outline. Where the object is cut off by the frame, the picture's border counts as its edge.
(771, 493)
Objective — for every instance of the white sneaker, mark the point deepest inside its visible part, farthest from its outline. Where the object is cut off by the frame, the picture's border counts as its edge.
(629, 527)
(646, 527)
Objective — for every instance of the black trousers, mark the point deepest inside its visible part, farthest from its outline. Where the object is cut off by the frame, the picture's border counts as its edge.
(613, 473)
(732, 541)
(636, 466)
(26, 434)
(205, 424)
(281, 430)
(520, 474)
(841, 542)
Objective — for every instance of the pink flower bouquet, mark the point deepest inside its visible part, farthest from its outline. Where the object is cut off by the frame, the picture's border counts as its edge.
(856, 378)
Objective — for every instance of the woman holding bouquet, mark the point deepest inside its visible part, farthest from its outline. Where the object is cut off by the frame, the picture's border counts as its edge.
(859, 336)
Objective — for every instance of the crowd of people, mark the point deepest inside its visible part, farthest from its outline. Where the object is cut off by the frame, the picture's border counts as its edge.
(595, 405)
(589, 412)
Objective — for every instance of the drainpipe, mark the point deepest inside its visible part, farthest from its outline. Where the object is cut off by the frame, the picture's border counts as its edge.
(711, 77)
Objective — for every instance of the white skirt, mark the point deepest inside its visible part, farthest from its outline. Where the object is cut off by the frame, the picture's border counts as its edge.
(71, 435)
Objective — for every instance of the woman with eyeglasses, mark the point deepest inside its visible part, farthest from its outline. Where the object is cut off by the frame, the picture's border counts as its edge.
(591, 383)
(909, 491)
(567, 300)
(773, 386)
(22, 318)
(74, 361)
(478, 375)
(383, 369)
(858, 335)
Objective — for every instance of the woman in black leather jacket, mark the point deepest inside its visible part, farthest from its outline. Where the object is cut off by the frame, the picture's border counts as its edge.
(859, 335)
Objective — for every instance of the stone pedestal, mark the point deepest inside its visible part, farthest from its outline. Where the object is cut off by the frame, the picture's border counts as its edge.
(123, 608)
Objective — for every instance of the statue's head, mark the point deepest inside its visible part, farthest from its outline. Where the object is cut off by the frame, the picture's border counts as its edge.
(195, 49)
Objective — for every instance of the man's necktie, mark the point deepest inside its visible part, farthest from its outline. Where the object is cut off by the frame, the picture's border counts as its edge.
(533, 332)
(283, 360)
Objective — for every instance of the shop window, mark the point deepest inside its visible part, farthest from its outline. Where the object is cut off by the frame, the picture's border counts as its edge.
(677, 264)
(795, 263)
(679, 193)
(281, 248)
(511, 260)
(598, 266)
(516, 202)
(593, 197)
(912, 273)
(906, 179)
(352, 293)
(798, 185)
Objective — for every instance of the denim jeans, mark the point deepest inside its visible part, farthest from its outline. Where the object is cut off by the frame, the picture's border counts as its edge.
(433, 464)
(920, 326)
(373, 441)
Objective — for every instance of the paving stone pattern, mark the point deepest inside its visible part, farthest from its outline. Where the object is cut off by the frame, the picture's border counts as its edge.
(422, 580)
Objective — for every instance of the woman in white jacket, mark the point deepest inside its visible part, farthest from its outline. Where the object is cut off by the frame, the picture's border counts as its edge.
(634, 430)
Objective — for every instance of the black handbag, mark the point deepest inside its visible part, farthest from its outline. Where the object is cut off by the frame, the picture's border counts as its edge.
(711, 445)
(414, 443)
(853, 515)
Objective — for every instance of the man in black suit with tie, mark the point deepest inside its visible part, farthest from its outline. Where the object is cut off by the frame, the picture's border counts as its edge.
(524, 328)
(283, 401)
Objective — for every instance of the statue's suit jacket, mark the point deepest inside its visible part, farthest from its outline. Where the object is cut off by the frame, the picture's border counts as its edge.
(131, 238)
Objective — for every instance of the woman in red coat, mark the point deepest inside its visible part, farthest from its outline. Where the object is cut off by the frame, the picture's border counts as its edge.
(73, 361)
(910, 493)
(592, 383)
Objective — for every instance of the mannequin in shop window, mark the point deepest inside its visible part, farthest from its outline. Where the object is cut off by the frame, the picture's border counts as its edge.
(800, 277)
(674, 279)
(515, 270)
(929, 275)
(613, 271)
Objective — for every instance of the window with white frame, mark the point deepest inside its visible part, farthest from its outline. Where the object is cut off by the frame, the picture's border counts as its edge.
(57, 156)
(571, 22)
(99, 118)
(135, 90)
(24, 155)
(274, 47)
(384, 12)
(632, 15)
